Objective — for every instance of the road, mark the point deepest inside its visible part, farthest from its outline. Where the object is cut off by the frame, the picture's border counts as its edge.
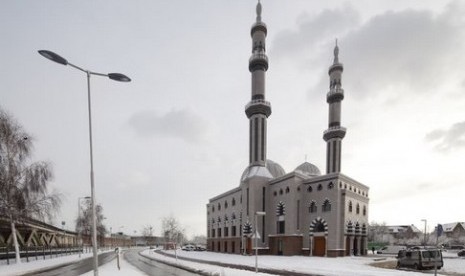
(148, 266)
(151, 267)
(74, 269)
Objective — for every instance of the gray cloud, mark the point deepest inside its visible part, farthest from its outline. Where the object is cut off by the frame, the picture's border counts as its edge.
(314, 30)
(450, 139)
(183, 124)
(410, 49)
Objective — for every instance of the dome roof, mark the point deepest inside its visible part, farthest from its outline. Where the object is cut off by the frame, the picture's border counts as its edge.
(275, 169)
(271, 170)
(308, 169)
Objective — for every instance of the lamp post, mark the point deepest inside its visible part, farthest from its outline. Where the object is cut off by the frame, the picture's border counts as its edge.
(114, 76)
(424, 237)
(258, 213)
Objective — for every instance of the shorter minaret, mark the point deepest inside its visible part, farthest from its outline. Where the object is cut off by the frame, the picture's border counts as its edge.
(335, 132)
(258, 109)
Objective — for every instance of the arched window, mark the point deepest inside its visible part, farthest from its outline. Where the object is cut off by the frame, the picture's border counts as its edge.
(309, 189)
(280, 191)
(326, 206)
(233, 202)
(287, 190)
(225, 204)
(320, 187)
(312, 208)
(364, 210)
(213, 208)
(233, 216)
(357, 209)
(350, 206)
(330, 185)
(275, 193)
(219, 206)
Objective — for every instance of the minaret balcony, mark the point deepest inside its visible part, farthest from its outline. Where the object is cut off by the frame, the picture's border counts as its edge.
(258, 61)
(334, 132)
(258, 106)
(334, 95)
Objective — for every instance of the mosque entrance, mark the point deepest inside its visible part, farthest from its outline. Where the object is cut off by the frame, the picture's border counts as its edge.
(319, 246)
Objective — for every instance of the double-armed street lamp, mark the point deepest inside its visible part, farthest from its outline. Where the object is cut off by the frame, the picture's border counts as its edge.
(114, 76)
(258, 213)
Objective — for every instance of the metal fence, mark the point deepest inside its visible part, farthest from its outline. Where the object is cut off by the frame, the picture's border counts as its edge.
(29, 253)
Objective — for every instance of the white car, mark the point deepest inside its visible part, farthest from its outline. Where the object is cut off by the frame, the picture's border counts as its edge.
(188, 247)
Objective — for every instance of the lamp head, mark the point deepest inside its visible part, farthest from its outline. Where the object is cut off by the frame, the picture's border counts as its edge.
(53, 57)
(119, 77)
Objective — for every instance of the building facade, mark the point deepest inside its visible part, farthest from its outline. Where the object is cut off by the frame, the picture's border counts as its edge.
(299, 212)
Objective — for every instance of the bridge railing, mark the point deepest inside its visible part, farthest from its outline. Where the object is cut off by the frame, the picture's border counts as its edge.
(29, 253)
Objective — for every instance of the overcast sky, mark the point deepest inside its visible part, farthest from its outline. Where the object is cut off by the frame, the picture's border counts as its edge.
(177, 134)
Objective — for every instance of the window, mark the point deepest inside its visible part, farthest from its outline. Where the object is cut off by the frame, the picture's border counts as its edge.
(275, 193)
(350, 206)
(213, 233)
(287, 190)
(233, 216)
(225, 204)
(213, 209)
(327, 206)
(357, 210)
(219, 206)
(226, 231)
(313, 207)
(281, 227)
(364, 210)
(309, 189)
(330, 185)
(280, 191)
(219, 232)
(233, 231)
(320, 187)
(233, 202)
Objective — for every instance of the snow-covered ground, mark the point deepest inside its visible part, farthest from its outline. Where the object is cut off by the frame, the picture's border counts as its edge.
(32, 265)
(324, 266)
(318, 265)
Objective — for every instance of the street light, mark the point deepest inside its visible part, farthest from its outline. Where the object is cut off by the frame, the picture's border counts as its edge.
(258, 213)
(114, 76)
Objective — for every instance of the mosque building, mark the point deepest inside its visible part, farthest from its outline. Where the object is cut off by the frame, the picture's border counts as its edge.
(302, 212)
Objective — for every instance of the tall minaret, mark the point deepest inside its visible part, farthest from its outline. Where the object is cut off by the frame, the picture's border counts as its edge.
(258, 109)
(335, 132)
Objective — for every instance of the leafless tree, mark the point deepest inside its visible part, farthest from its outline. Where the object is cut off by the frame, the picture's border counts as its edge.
(377, 232)
(172, 230)
(147, 231)
(84, 221)
(23, 185)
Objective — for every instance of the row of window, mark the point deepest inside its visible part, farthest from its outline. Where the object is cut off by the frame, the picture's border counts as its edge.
(225, 204)
(217, 232)
(309, 189)
(357, 209)
(225, 217)
(326, 207)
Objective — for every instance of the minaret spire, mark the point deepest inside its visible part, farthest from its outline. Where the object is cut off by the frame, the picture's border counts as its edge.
(335, 132)
(259, 11)
(258, 109)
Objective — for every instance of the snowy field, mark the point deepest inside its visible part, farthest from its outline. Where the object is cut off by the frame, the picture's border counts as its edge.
(359, 266)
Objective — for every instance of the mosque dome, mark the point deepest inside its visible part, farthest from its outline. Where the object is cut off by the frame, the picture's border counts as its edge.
(275, 169)
(308, 169)
(271, 170)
